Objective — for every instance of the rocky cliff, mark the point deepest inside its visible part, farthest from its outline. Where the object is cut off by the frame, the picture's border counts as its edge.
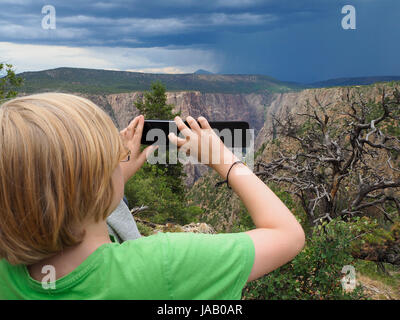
(295, 102)
(223, 209)
(213, 106)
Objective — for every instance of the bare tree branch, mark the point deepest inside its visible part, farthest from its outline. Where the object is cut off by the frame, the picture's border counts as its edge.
(324, 156)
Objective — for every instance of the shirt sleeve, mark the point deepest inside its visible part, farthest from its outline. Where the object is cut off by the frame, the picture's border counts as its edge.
(207, 267)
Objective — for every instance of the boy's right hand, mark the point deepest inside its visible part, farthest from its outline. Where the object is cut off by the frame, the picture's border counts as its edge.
(203, 143)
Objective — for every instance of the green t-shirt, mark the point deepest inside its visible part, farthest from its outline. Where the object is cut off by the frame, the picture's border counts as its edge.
(184, 266)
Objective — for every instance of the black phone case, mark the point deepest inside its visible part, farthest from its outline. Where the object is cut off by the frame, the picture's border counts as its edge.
(239, 131)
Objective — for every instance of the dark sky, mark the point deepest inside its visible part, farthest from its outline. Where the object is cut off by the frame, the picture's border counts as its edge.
(293, 40)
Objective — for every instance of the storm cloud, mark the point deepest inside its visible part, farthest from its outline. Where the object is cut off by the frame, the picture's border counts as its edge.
(296, 40)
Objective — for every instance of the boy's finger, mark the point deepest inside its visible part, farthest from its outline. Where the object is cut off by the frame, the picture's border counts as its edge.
(131, 128)
(204, 123)
(182, 127)
(139, 130)
(193, 124)
(147, 152)
(175, 140)
(134, 121)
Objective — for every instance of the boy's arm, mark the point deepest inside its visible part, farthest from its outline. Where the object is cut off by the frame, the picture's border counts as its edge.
(278, 236)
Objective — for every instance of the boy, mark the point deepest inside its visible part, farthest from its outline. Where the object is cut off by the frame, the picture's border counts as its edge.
(63, 166)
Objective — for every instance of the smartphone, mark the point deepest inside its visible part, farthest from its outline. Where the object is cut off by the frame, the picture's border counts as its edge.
(234, 134)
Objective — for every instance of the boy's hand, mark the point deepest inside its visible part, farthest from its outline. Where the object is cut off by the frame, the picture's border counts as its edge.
(203, 143)
(131, 137)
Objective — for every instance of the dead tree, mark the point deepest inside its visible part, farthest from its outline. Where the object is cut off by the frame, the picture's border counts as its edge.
(340, 163)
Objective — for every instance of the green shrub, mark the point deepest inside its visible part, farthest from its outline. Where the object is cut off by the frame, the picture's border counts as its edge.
(151, 187)
(143, 229)
(313, 274)
(9, 82)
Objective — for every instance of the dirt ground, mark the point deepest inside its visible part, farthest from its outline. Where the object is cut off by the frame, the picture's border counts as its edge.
(378, 290)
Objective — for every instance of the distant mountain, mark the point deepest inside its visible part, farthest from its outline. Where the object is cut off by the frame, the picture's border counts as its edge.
(93, 81)
(201, 71)
(359, 81)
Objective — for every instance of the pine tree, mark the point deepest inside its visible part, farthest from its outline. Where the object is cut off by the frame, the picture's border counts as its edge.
(9, 82)
(153, 105)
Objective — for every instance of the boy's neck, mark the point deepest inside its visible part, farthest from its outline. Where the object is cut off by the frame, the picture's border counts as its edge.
(96, 234)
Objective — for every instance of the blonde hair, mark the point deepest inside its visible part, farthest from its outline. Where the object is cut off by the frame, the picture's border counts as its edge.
(57, 156)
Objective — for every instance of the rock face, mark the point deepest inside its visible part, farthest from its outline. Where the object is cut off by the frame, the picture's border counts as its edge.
(193, 172)
(216, 106)
(257, 109)
(292, 102)
(222, 208)
(295, 102)
(213, 106)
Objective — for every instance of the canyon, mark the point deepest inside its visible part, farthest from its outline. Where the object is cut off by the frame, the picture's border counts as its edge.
(250, 98)
(296, 102)
(256, 108)
(213, 106)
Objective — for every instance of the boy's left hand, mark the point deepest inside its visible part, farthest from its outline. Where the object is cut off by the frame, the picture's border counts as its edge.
(131, 137)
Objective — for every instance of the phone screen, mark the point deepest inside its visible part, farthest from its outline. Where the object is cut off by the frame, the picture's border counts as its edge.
(234, 134)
